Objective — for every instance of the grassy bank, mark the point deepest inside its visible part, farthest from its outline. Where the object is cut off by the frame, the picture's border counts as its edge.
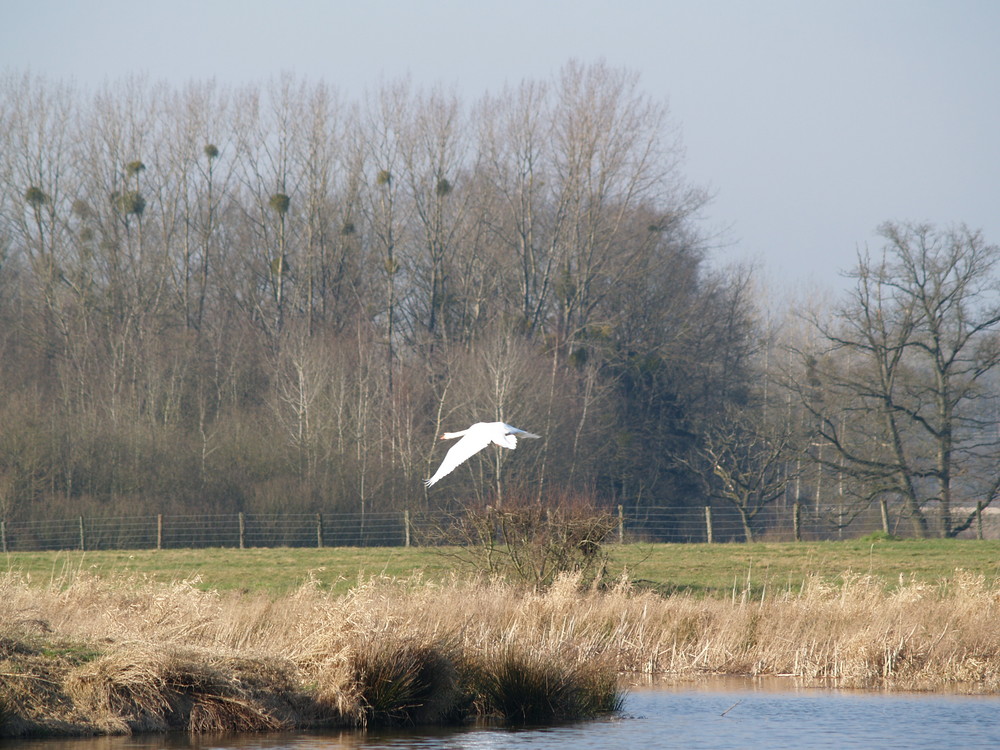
(160, 640)
(121, 654)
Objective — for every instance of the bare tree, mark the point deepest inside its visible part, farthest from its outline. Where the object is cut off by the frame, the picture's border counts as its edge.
(331, 176)
(200, 154)
(611, 159)
(386, 214)
(269, 126)
(513, 145)
(433, 159)
(37, 140)
(743, 461)
(909, 362)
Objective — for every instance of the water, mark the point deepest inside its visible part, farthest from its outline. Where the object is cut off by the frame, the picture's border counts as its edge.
(744, 717)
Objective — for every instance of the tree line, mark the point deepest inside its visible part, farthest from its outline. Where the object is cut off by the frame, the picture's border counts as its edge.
(271, 298)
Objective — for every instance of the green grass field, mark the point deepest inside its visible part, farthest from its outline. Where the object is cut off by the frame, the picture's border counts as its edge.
(711, 570)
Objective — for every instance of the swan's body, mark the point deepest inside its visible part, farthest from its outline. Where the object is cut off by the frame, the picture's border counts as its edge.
(474, 440)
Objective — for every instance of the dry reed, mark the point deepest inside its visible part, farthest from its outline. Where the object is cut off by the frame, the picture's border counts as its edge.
(124, 655)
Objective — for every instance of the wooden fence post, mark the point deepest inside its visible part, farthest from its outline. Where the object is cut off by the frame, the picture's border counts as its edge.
(243, 531)
(621, 524)
(159, 531)
(708, 523)
(797, 521)
(406, 527)
(885, 514)
(319, 530)
(979, 521)
(3, 535)
(83, 545)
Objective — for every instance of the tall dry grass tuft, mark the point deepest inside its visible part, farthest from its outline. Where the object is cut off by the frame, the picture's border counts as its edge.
(126, 690)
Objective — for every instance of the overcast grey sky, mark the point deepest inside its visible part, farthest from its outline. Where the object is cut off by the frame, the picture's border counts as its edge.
(810, 121)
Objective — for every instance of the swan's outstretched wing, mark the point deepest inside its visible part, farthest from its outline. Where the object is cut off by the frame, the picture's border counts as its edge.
(518, 430)
(507, 435)
(468, 446)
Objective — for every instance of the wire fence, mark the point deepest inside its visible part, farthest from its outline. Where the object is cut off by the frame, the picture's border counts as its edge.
(420, 528)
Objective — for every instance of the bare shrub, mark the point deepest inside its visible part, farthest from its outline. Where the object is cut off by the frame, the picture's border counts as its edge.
(533, 542)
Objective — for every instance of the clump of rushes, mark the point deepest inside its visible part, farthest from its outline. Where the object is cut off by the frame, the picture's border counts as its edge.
(403, 683)
(521, 685)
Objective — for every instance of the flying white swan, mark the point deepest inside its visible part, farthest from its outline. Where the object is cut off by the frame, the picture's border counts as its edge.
(474, 440)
